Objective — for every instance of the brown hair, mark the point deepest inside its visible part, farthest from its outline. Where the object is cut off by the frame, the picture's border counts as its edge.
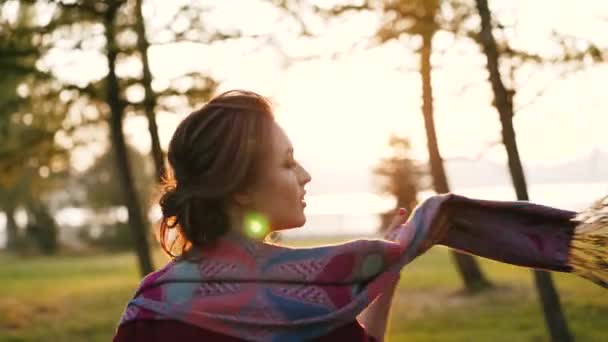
(214, 152)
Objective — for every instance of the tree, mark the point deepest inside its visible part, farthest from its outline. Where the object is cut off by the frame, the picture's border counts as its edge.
(101, 190)
(12, 47)
(149, 96)
(33, 164)
(400, 177)
(202, 87)
(76, 26)
(137, 222)
(503, 101)
(103, 194)
(41, 228)
(419, 17)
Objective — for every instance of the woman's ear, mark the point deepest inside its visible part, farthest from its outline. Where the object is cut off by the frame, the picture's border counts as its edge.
(242, 198)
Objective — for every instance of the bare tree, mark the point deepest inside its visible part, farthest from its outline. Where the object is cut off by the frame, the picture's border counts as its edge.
(419, 17)
(202, 87)
(149, 95)
(503, 101)
(137, 223)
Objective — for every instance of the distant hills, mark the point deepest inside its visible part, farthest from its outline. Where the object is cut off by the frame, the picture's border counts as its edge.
(593, 168)
(589, 169)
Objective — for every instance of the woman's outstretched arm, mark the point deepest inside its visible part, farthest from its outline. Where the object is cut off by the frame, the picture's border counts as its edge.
(376, 316)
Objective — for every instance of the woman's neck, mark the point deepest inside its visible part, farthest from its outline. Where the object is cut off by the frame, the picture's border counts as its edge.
(247, 224)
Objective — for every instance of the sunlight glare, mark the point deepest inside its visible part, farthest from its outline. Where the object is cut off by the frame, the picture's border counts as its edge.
(256, 225)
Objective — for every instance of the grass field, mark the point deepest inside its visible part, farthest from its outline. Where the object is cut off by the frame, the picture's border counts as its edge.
(81, 299)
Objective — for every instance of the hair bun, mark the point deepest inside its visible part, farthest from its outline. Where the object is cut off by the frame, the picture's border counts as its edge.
(169, 205)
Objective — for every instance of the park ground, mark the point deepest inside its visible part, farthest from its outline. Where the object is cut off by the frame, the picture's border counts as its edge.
(68, 298)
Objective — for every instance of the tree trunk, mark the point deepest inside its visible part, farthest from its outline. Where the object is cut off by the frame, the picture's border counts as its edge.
(150, 97)
(468, 268)
(554, 317)
(42, 227)
(12, 230)
(136, 219)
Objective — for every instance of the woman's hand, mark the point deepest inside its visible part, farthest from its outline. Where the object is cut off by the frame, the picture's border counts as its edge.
(375, 316)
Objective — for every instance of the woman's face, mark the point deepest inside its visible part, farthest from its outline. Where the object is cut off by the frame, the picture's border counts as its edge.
(278, 194)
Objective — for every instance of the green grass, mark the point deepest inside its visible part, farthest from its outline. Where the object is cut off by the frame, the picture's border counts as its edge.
(82, 298)
(429, 306)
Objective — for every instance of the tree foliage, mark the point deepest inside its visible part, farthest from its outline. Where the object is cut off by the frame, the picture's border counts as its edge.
(400, 176)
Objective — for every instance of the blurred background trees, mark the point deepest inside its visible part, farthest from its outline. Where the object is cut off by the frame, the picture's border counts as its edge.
(104, 196)
(82, 148)
(34, 125)
(53, 114)
(420, 18)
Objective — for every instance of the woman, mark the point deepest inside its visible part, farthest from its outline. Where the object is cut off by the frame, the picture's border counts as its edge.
(230, 162)
(233, 180)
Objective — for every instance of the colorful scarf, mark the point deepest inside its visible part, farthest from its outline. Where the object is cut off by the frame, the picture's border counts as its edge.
(263, 292)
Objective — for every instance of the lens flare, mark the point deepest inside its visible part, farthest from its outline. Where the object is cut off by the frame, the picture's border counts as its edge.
(256, 225)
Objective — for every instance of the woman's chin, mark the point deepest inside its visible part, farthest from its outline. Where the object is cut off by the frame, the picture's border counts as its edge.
(297, 223)
(302, 221)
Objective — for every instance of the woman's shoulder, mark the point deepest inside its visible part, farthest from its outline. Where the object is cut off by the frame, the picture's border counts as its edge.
(164, 330)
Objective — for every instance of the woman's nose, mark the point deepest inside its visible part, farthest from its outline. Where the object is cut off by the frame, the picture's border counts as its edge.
(304, 175)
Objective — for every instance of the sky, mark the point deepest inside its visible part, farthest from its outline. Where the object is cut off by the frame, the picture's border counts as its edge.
(339, 112)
